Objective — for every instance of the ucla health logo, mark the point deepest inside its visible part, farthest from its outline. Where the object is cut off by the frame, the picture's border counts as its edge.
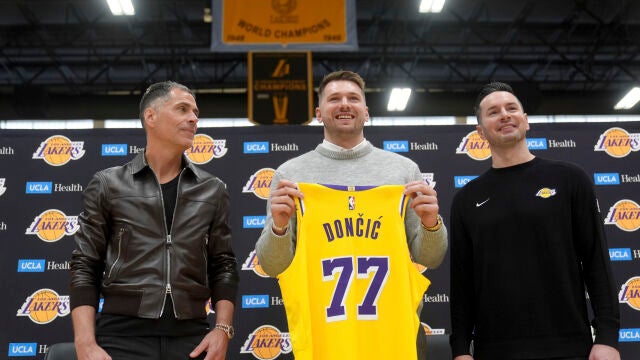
(267, 342)
(396, 145)
(44, 306)
(51, 225)
(39, 187)
(620, 254)
(537, 144)
(31, 265)
(23, 349)
(58, 150)
(462, 180)
(205, 148)
(253, 222)
(629, 335)
(255, 301)
(606, 178)
(114, 149)
(256, 147)
(617, 142)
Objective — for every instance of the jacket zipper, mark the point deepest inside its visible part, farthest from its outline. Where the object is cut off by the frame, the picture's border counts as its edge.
(169, 243)
(120, 234)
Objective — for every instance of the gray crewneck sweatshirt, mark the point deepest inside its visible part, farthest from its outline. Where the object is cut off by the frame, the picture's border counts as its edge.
(367, 165)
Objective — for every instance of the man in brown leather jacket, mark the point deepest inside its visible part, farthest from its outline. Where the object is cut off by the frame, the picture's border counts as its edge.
(155, 242)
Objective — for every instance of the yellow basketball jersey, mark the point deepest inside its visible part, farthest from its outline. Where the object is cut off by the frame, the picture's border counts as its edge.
(352, 291)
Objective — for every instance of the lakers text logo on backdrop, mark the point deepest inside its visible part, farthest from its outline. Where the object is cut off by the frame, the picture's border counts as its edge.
(630, 293)
(267, 342)
(205, 148)
(51, 225)
(625, 214)
(44, 306)
(259, 183)
(475, 146)
(58, 150)
(617, 142)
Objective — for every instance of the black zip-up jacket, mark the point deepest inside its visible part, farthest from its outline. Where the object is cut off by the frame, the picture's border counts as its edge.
(123, 250)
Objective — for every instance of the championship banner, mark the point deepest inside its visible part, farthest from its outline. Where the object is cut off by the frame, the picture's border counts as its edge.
(247, 25)
(280, 87)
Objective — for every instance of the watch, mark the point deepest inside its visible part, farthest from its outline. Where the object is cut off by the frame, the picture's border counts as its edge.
(228, 329)
(435, 227)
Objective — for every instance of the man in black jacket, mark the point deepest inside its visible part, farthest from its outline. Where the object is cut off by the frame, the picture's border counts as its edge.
(155, 242)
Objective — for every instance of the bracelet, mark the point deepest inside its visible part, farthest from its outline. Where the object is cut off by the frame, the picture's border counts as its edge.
(228, 329)
(435, 227)
(279, 229)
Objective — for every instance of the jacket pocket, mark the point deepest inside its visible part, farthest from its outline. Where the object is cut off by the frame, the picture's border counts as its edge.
(116, 253)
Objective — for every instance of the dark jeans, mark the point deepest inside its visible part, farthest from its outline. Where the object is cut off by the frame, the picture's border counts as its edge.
(150, 347)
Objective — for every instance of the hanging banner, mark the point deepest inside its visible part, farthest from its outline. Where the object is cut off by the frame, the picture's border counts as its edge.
(247, 25)
(280, 87)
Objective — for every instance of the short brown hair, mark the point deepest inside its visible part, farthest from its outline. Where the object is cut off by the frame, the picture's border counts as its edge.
(340, 75)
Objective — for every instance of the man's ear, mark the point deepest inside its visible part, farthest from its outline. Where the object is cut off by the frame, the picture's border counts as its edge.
(318, 115)
(149, 118)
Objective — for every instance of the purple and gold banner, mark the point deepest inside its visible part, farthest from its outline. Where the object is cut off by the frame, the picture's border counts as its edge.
(246, 25)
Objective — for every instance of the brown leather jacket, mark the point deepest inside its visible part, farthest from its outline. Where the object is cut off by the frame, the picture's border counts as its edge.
(123, 250)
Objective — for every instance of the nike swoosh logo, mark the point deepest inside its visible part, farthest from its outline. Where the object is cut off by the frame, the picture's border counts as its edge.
(482, 203)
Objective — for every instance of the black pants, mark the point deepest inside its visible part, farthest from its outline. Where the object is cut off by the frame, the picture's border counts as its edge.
(150, 347)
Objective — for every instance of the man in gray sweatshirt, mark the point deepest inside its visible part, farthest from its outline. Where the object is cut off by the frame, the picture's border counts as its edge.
(345, 157)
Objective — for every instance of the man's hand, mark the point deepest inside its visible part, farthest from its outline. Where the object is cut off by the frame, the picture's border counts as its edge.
(603, 352)
(91, 351)
(424, 202)
(215, 344)
(283, 205)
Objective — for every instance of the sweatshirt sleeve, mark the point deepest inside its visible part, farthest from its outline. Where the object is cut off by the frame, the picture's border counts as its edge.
(592, 247)
(461, 286)
(274, 252)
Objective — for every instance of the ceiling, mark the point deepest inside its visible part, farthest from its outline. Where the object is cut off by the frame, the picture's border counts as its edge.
(563, 56)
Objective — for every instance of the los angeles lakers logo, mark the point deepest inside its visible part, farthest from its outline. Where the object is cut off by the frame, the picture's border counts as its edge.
(625, 214)
(267, 342)
(617, 142)
(475, 146)
(44, 305)
(430, 331)
(630, 293)
(205, 148)
(252, 264)
(59, 150)
(259, 183)
(546, 193)
(2, 187)
(51, 225)
(209, 308)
